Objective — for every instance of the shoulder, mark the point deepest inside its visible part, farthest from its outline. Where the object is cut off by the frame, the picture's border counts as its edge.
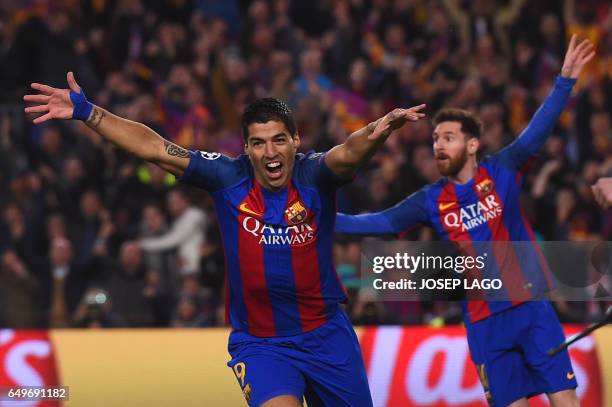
(311, 155)
(214, 171)
(307, 165)
(215, 158)
(311, 169)
(507, 159)
(435, 188)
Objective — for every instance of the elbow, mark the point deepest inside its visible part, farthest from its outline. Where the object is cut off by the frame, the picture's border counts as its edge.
(350, 158)
(343, 164)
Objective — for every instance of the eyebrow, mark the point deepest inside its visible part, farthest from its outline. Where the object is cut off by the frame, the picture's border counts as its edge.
(276, 136)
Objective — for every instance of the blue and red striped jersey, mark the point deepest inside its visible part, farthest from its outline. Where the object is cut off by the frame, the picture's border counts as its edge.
(280, 275)
(485, 209)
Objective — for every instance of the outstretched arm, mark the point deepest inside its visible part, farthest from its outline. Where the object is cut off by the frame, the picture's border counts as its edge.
(133, 137)
(405, 215)
(365, 224)
(346, 158)
(538, 129)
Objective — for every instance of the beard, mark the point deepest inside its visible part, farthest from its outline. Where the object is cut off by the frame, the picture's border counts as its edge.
(451, 165)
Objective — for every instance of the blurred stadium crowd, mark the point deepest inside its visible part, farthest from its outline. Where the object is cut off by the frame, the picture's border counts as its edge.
(92, 237)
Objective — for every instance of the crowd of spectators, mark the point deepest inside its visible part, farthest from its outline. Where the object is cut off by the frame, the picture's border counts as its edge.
(92, 237)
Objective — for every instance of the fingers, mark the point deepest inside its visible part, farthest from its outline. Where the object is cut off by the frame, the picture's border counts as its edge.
(42, 119)
(395, 114)
(37, 98)
(373, 136)
(72, 82)
(414, 113)
(417, 108)
(583, 48)
(577, 56)
(37, 109)
(588, 57)
(582, 44)
(414, 116)
(572, 44)
(584, 53)
(43, 107)
(45, 89)
(397, 117)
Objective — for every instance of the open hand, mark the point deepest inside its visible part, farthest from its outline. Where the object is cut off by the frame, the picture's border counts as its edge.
(53, 102)
(394, 120)
(576, 57)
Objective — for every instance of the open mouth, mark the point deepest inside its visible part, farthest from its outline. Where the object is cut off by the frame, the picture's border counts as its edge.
(274, 169)
(441, 157)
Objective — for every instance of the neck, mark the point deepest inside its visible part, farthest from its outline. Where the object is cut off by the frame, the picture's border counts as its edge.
(266, 186)
(466, 173)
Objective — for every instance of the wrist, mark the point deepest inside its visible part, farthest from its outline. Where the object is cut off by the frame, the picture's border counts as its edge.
(564, 82)
(565, 76)
(82, 108)
(90, 115)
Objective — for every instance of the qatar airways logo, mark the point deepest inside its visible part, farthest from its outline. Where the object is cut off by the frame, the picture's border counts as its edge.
(295, 235)
(471, 216)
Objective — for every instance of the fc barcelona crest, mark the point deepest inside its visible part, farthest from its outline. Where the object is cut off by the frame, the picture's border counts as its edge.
(485, 187)
(296, 213)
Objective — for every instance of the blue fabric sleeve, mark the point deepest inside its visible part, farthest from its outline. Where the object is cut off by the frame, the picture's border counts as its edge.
(533, 137)
(314, 170)
(213, 171)
(407, 214)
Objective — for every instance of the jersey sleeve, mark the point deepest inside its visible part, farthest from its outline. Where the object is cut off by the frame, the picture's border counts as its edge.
(314, 171)
(407, 214)
(533, 137)
(213, 171)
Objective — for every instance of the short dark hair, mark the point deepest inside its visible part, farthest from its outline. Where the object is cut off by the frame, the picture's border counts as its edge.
(470, 124)
(266, 109)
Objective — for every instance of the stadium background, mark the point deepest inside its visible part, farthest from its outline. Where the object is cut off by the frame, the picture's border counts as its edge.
(73, 206)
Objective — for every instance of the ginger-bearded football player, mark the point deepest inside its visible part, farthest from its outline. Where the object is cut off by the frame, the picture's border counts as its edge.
(479, 201)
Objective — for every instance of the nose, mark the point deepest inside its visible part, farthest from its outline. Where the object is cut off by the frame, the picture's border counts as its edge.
(270, 150)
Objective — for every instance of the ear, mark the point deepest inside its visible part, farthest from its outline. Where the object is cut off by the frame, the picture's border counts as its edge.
(296, 140)
(473, 145)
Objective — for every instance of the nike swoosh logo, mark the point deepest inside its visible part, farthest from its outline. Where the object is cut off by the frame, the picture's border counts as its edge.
(570, 376)
(446, 205)
(244, 208)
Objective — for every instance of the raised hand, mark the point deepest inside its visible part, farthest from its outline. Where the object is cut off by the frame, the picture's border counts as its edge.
(394, 120)
(58, 103)
(576, 57)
